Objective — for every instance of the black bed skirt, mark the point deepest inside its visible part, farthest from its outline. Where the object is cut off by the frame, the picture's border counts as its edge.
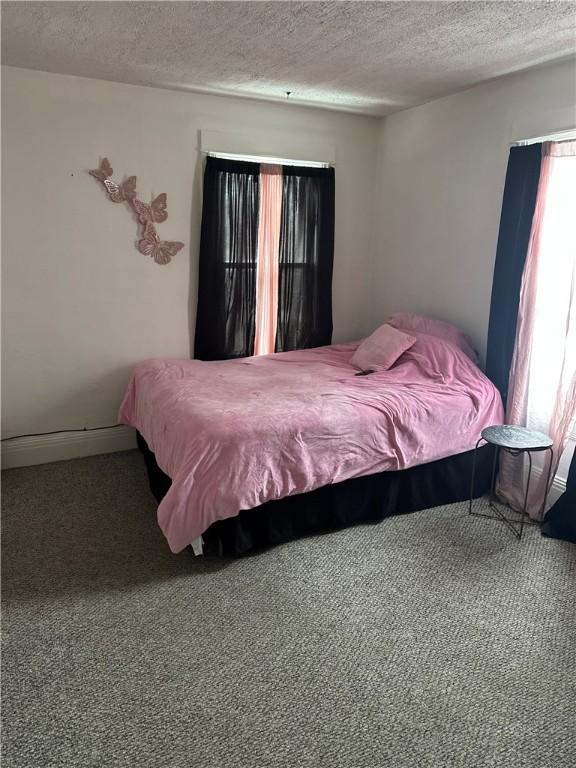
(360, 500)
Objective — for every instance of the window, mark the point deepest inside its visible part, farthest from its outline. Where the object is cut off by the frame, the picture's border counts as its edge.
(265, 279)
(542, 394)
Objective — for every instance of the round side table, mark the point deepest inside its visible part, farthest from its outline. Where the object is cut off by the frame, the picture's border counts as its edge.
(516, 441)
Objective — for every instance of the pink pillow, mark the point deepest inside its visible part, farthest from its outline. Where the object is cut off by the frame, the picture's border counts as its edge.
(381, 349)
(411, 322)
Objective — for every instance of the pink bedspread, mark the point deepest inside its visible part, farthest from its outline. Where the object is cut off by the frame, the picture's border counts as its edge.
(237, 433)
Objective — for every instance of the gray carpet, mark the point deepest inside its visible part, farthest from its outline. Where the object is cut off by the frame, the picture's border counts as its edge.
(427, 641)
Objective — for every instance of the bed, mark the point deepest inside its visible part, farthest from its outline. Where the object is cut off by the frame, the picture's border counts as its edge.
(250, 452)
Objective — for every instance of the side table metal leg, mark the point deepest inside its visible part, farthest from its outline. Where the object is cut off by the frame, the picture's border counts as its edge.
(492, 499)
(547, 487)
(473, 475)
(525, 509)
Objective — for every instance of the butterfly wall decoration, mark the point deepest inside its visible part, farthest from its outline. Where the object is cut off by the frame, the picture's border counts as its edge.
(148, 214)
(155, 212)
(161, 251)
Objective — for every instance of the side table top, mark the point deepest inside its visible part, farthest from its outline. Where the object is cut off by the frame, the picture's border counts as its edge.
(517, 438)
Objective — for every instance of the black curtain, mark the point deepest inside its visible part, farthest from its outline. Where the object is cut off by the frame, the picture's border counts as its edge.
(227, 270)
(518, 205)
(306, 256)
(560, 520)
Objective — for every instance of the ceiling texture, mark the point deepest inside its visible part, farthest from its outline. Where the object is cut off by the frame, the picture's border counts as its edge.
(371, 57)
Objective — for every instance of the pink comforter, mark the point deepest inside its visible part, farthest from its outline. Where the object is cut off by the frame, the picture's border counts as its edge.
(237, 433)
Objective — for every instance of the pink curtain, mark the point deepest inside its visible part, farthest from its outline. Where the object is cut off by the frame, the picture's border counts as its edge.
(267, 265)
(542, 388)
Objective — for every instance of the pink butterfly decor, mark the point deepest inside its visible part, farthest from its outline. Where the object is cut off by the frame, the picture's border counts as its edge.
(156, 211)
(162, 251)
(123, 192)
(104, 172)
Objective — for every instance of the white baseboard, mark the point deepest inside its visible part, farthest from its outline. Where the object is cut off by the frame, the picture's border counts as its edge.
(41, 449)
(557, 487)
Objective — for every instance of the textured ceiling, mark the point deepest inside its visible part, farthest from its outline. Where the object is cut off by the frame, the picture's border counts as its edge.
(373, 57)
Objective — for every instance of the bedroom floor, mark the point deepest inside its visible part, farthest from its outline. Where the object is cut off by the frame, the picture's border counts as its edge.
(424, 641)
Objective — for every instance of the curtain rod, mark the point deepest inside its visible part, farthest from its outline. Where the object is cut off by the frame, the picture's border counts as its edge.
(564, 135)
(267, 160)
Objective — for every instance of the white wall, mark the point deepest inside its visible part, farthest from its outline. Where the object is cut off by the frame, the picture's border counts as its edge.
(80, 305)
(442, 168)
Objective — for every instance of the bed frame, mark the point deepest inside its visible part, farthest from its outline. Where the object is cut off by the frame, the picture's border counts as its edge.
(351, 502)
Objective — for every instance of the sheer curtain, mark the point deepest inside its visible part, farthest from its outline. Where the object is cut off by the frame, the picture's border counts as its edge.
(267, 270)
(542, 388)
(225, 318)
(306, 254)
